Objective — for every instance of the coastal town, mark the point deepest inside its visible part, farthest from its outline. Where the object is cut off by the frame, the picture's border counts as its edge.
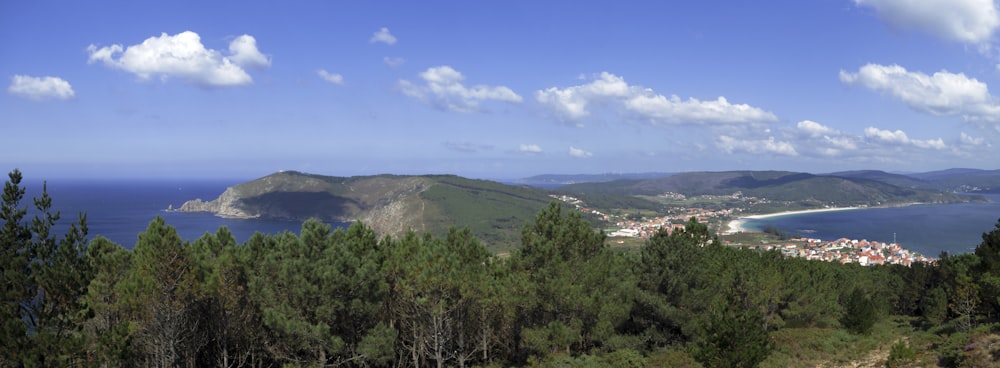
(843, 250)
(728, 225)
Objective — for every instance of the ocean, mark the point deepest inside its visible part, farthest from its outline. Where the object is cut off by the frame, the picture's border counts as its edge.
(120, 210)
(924, 228)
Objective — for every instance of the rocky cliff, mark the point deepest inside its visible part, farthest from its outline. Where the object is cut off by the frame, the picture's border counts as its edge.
(390, 204)
(226, 205)
(284, 195)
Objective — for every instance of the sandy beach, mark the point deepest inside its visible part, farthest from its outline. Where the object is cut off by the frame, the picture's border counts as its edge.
(736, 226)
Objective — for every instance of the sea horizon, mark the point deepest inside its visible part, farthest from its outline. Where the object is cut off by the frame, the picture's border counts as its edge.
(121, 209)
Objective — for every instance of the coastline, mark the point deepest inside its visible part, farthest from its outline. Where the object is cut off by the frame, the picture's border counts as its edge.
(736, 226)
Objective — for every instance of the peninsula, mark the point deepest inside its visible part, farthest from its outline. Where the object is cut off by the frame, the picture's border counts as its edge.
(390, 204)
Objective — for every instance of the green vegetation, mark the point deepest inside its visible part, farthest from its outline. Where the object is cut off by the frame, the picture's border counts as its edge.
(44, 280)
(837, 347)
(901, 355)
(557, 179)
(778, 233)
(860, 313)
(564, 297)
(787, 190)
(617, 202)
(962, 180)
(493, 211)
(391, 204)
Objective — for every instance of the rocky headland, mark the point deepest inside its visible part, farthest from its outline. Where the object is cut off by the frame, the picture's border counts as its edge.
(226, 205)
(389, 204)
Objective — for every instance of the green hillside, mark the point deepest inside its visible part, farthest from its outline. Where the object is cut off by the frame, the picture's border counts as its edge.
(899, 180)
(563, 179)
(963, 180)
(951, 180)
(779, 186)
(494, 211)
(392, 204)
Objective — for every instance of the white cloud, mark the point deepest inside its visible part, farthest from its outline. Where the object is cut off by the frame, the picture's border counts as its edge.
(942, 93)
(887, 136)
(970, 140)
(898, 137)
(572, 104)
(466, 146)
(40, 88)
(565, 102)
(334, 78)
(658, 108)
(814, 129)
(813, 139)
(183, 56)
(576, 152)
(841, 143)
(383, 36)
(443, 88)
(755, 146)
(393, 62)
(243, 51)
(529, 148)
(937, 144)
(968, 21)
(825, 140)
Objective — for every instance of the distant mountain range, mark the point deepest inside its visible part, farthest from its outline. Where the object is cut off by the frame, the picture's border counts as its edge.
(899, 180)
(952, 180)
(963, 180)
(563, 179)
(495, 212)
(870, 188)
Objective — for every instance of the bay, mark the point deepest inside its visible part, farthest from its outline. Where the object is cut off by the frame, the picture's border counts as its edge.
(928, 229)
(120, 209)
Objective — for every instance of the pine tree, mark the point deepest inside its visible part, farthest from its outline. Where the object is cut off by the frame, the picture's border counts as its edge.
(60, 274)
(109, 329)
(734, 339)
(860, 313)
(577, 293)
(934, 306)
(226, 314)
(989, 251)
(320, 294)
(43, 281)
(15, 284)
(161, 288)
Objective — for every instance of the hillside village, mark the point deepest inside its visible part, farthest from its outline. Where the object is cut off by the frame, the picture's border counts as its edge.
(841, 250)
(648, 226)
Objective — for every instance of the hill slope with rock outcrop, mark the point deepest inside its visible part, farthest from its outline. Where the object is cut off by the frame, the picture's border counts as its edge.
(391, 204)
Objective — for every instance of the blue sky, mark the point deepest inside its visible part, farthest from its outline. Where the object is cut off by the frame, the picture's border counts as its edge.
(496, 89)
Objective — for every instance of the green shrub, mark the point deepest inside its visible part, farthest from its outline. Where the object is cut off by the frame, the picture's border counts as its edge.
(901, 355)
(860, 313)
